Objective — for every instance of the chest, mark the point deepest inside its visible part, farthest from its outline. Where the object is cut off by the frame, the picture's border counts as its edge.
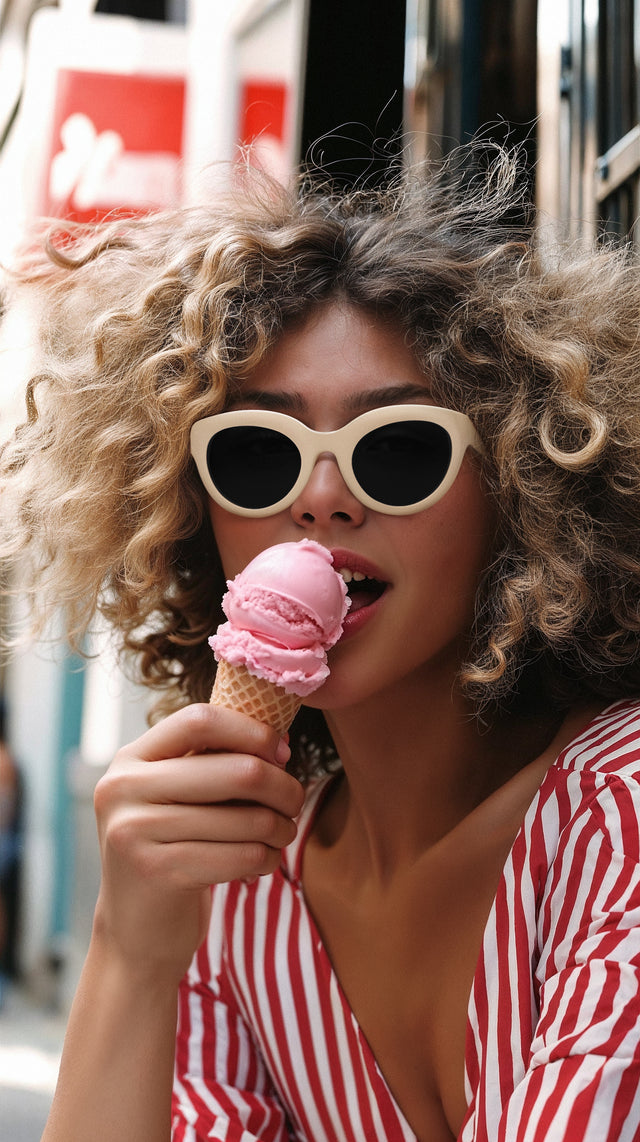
(406, 964)
(360, 1013)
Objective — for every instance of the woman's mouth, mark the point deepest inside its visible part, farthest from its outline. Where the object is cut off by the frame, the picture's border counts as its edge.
(362, 589)
(365, 587)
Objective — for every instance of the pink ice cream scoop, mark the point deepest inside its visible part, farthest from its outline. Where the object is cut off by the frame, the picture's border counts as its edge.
(285, 610)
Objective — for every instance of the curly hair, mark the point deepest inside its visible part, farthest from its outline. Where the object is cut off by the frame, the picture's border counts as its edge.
(147, 325)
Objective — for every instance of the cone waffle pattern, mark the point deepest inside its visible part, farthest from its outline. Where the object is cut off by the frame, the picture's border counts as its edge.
(237, 689)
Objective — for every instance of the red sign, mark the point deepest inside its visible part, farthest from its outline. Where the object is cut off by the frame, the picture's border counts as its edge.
(263, 110)
(117, 144)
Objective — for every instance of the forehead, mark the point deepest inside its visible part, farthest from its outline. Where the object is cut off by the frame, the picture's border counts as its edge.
(337, 353)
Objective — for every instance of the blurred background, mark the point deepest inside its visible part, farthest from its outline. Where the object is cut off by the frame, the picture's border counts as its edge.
(134, 105)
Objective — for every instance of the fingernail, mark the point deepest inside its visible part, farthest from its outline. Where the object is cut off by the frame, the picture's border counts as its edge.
(283, 753)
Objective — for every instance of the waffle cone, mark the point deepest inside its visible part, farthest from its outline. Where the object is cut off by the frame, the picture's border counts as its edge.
(237, 689)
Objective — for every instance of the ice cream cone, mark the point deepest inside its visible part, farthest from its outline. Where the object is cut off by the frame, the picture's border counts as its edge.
(284, 611)
(237, 689)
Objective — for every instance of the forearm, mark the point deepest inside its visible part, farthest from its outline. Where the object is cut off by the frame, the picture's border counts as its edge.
(117, 1064)
(196, 801)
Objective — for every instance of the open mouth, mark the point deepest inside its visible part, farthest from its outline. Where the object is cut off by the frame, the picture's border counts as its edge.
(362, 589)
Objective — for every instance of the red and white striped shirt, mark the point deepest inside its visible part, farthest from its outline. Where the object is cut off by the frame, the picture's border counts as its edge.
(269, 1049)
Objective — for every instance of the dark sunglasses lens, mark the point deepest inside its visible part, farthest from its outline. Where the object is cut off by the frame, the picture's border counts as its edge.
(401, 464)
(253, 467)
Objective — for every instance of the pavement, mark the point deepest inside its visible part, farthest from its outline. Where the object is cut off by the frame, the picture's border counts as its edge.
(30, 1044)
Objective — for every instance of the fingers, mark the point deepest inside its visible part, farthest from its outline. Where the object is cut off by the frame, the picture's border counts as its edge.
(189, 864)
(196, 800)
(204, 755)
(207, 779)
(207, 824)
(201, 728)
(187, 847)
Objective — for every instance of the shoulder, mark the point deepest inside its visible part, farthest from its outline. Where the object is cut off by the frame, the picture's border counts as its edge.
(590, 798)
(588, 899)
(608, 745)
(590, 794)
(575, 865)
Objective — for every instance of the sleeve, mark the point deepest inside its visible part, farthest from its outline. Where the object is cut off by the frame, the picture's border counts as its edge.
(582, 1083)
(222, 1089)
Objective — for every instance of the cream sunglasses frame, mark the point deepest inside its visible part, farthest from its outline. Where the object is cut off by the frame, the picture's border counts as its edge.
(341, 444)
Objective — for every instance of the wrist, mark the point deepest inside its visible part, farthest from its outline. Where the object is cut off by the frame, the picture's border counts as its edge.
(132, 967)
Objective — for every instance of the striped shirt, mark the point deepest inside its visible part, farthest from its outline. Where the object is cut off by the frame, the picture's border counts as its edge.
(269, 1049)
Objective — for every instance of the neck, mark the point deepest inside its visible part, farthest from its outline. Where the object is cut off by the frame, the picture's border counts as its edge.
(414, 768)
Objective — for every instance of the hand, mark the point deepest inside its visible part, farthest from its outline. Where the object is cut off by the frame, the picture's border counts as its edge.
(197, 800)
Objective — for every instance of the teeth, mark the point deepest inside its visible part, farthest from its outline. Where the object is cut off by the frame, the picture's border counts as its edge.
(348, 575)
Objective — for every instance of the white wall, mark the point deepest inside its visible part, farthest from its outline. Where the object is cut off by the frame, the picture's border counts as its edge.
(211, 102)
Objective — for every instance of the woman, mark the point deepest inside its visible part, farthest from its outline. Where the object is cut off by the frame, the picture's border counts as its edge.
(436, 936)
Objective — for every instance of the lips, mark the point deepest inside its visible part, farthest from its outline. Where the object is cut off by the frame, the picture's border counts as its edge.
(365, 583)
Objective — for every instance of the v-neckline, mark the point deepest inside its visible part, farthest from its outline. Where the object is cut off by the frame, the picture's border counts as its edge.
(293, 858)
(292, 866)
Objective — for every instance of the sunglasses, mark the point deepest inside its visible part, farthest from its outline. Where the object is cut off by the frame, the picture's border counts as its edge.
(397, 460)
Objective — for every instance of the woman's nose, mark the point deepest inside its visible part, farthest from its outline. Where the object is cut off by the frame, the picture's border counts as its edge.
(326, 498)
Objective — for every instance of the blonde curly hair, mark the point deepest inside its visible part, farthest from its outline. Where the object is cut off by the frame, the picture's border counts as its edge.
(148, 325)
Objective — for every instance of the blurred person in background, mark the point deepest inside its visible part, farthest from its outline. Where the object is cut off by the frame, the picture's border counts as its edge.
(10, 812)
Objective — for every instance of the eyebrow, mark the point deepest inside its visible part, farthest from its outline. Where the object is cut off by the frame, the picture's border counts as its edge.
(389, 394)
(356, 402)
(277, 401)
